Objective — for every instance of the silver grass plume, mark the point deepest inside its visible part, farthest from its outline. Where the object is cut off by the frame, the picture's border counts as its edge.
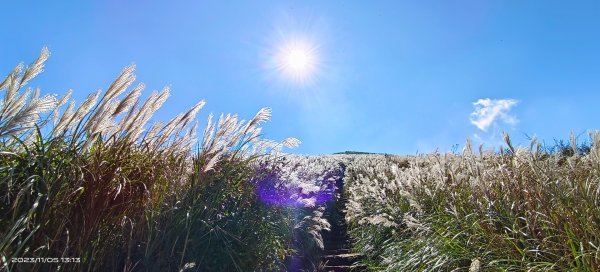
(130, 99)
(534, 147)
(595, 150)
(262, 115)
(184, 144)
(95, 118)
(508, 142)
(14, 85)
(22, 113)
(573, 142)
(15, 104)
(468, 150)
(187, 141)
(63, 100)
(61, 126)
(36, 68)
(235, 137)
(210, 164)
(83, 110)
(11, 79)
(117, 87)
(291, 142)
(152, 132)
(208, 133)
(102, 122)
(176, 125)
(190, 138)
(160, 138)
(134, 123)
(191, 114)
(101, 117)
(86, 106)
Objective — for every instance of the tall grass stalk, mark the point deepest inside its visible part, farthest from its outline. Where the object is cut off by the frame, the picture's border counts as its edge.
(513, 210)
(97, 182)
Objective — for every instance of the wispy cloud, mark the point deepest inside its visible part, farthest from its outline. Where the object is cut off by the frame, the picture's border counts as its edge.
(487, 111)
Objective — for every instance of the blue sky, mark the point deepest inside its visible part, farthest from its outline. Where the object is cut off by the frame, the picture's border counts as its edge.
(396, 77)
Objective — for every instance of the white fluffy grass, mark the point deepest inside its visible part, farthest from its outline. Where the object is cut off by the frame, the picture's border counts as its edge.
(119, 115)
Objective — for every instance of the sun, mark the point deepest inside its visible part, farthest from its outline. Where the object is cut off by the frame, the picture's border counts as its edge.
(298, 61)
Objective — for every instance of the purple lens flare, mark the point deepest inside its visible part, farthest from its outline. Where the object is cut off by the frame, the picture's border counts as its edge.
(275, 190)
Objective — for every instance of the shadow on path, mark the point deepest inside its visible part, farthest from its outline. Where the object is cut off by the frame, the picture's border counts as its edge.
(337, 255)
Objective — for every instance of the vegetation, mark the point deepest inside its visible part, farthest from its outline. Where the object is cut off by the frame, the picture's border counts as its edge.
(352, 153)
(89, 187)
(515, 210)
(95, 187)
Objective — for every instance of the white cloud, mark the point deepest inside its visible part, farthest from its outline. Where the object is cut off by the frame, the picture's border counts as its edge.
(487, 111)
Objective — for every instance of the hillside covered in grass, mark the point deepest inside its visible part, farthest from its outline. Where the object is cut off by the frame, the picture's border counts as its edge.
(96, 186)
(519, 210)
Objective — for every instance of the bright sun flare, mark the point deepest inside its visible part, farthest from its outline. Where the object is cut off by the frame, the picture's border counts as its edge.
(297, 61)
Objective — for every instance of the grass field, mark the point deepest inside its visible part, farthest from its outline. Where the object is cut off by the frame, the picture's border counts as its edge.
(95, 186)
(515, 210)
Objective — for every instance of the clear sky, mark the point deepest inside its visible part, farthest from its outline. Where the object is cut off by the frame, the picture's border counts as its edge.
(387, 76)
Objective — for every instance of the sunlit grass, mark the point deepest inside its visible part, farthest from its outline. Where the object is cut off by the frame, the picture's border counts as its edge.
(99, 182)
(105, 186)
(513, 210)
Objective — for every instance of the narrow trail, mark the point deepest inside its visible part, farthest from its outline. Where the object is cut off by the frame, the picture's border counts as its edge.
(337, 255)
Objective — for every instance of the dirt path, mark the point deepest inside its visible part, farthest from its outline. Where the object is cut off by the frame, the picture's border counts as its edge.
(338, 256)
